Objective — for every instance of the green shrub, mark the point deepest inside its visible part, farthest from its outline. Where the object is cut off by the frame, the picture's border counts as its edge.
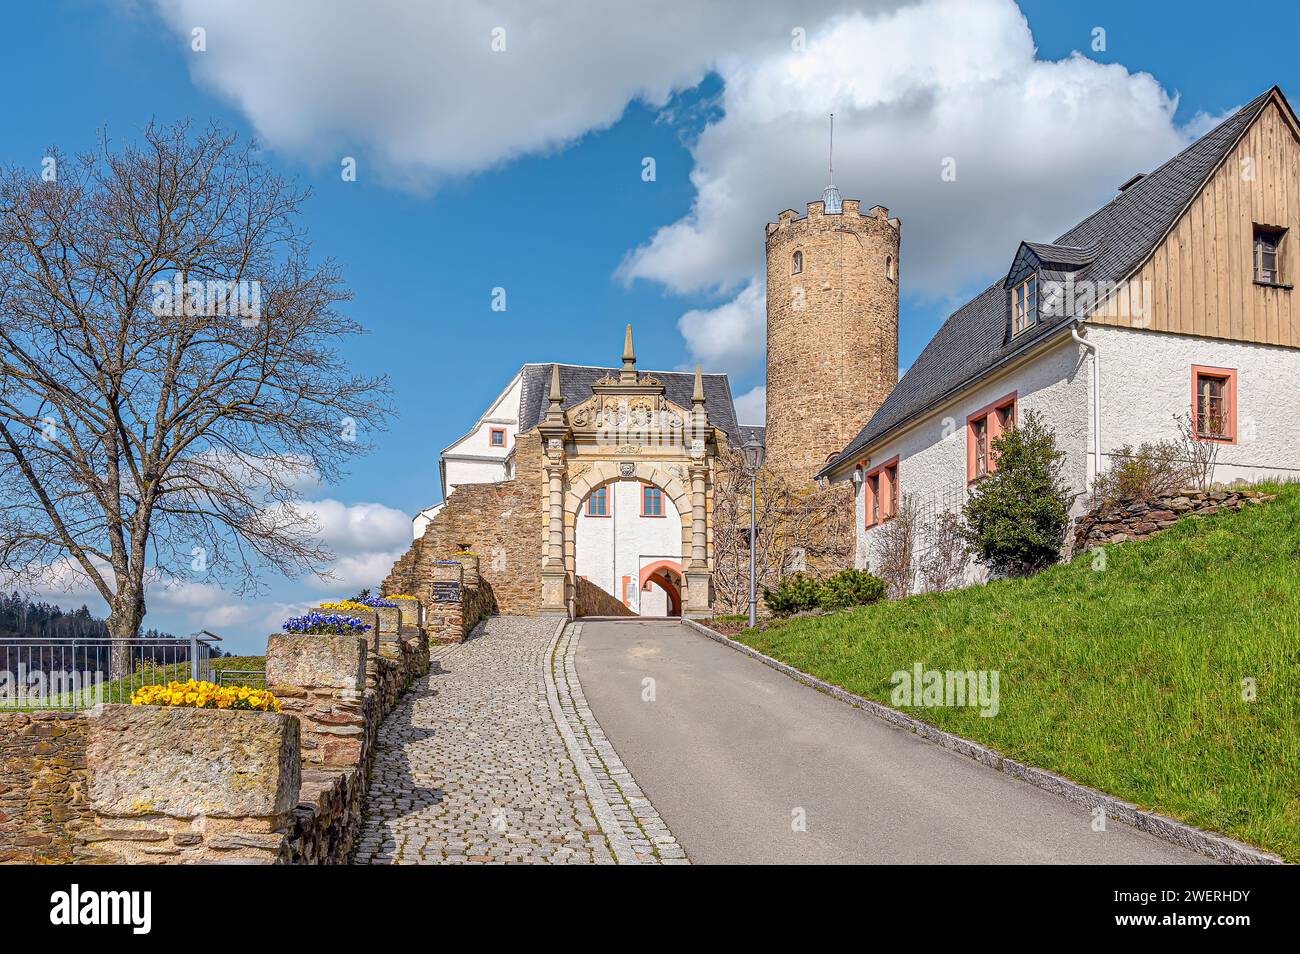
(1017, 516)
(794, 594)
(851, 588)
(1149, 471)
(801, 592)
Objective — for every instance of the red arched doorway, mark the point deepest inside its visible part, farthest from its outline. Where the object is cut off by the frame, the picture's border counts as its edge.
(667, 575)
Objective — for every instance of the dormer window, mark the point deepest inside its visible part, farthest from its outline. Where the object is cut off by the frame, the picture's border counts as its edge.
(796, 263)
(1024, 305)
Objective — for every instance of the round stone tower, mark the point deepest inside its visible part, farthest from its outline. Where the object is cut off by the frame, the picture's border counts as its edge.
(832, 329)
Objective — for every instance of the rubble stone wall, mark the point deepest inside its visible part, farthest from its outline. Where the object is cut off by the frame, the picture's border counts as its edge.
(43, 801)
(1123, 521)
(178, 785)
(502, 524)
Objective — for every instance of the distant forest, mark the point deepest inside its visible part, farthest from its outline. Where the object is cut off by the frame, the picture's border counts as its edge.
(22, 617)
(48, 625)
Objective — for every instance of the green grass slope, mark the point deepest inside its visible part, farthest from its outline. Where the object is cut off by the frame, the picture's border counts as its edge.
(1128, 678)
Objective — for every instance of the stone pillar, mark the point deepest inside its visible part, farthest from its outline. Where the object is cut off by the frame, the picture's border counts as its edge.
(443, 618)
(414, 636)
(555, 589)
(321, 680)
(555, 523)
(699, 599)
(389, 632)
(470, 561)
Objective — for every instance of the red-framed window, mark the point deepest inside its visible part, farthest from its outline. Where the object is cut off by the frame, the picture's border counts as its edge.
(498, 437)
(880, 490)
(1214, 404)
(652, 501)
(982, 429)
(598, 502)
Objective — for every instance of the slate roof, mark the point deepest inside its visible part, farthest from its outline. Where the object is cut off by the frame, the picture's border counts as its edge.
(752, 430)
(1115, 239)
(1066, 256)
(576, 381)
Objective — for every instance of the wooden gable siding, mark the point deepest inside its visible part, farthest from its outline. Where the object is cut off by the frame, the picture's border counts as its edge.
(1200, 279)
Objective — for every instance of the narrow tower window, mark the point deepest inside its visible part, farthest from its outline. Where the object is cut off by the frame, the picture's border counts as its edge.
(889, 267)
(796, 263)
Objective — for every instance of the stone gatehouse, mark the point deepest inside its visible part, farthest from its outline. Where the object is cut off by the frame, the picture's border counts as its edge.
(584, 491)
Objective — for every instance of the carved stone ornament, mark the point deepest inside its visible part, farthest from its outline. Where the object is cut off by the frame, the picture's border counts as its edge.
(627, 469)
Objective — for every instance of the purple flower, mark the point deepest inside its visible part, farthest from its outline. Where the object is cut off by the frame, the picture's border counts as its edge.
(317, 623)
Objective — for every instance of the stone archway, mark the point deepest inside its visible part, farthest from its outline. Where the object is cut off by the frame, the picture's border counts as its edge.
(627, 430)
(589, 476)
(667, 575)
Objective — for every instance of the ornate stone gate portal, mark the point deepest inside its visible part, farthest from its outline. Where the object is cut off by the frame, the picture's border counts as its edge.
(627, 429)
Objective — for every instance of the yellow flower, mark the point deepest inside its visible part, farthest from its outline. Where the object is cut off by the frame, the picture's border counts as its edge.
(347, 606)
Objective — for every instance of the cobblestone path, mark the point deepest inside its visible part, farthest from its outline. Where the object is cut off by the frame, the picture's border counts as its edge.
(477, 764)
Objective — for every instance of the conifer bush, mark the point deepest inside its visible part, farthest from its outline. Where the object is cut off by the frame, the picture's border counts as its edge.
(1016, 518)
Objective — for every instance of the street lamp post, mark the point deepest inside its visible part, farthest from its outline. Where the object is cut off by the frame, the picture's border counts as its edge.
(753, 452)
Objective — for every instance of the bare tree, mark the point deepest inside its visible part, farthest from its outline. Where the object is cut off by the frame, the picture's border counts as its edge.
(1201, 455)
(947, 555)
(169, 369)
(896, 540)
(799, 528)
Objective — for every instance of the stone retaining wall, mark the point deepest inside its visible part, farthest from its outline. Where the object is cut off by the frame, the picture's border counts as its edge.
(183, 786)
(1124, 521)
(590, 600)
(458, 599)
(43, 801)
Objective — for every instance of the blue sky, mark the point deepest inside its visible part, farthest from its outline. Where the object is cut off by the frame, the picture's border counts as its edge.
(522, 169)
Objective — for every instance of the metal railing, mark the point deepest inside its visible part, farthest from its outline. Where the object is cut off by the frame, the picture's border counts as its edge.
(73, 674)
(253, 678)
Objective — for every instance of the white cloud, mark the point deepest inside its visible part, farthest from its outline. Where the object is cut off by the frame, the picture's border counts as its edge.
(348, 574)
(350, 529)
(63, 583)
(731, 337)
(751, 407)
(1036, 145)
(417, 89)
(186, 594)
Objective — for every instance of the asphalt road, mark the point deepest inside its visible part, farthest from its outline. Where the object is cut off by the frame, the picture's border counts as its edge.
(733, 754)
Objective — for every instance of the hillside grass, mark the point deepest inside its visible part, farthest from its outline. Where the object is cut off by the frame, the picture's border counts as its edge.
(1128, 679)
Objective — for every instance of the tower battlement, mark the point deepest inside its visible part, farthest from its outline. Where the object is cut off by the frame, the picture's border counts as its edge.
(851, 211)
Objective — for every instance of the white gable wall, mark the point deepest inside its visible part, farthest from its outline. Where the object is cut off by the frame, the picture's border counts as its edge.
(473, 459)
(1146, 379)
(932, 454)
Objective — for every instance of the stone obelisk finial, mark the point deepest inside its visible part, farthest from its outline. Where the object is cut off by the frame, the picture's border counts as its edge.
(629, 358)
(555, 411)
(697, 398)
